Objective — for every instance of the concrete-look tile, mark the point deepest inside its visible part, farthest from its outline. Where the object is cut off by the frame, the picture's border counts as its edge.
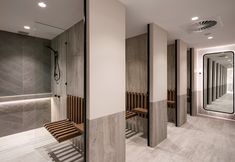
(200, 139)
(106, 138)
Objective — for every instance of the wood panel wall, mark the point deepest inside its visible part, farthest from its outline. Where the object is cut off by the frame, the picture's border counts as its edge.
(136, 64)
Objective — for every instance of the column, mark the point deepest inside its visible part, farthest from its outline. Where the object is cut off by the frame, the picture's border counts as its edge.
(218, 81)
(223, 72)
(213, 81)
(225, 79)
(226, 76)
(205, 79)
(209, 82)
(181, 79)
(105, 81)
(158, 85)
(220, 88)
(193, 83)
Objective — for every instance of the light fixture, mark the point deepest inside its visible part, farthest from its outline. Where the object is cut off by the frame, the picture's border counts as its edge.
(229, 60)
(42, 4)
(195, 18)
(226, 56)
(24, 101)
(27, 27)
(210, 37)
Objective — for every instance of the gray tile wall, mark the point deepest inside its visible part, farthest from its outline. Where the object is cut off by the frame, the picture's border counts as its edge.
(71, 60)
(106, 138)
(171, 66)
(181, 109)
(21, 116)
(158, 122)
(136, 64)
(25, 65)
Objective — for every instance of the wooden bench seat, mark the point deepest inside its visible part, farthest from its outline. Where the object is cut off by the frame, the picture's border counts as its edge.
(80, 127)
(130, 114)
(141, 112)
(171, 98)
(72, 126)
(63, 130)
(136, 104)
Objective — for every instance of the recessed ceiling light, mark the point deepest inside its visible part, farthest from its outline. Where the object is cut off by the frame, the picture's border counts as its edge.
(27, 27)
(226, 56)
(195, 18)
(210, 37)
(42, 4)
(229, 60)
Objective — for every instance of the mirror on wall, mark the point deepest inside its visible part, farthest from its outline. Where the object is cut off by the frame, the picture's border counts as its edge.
(218, 82)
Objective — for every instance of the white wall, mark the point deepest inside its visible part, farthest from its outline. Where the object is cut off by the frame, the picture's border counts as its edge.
(106, 58)
(158, 64)
(199, 77)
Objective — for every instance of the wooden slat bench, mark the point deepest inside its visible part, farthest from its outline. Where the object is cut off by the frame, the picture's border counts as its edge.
(130, 114)
(136, 105)
(171, 98)
(72, 126)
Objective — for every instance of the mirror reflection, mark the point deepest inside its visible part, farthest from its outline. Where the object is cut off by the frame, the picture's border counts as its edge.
(218, 82)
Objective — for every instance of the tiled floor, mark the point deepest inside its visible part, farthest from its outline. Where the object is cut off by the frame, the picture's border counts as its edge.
(199, 140)
(34, 146)
(223, 104)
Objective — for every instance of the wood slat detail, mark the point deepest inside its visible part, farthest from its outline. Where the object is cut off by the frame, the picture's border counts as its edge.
(135, 100)
(171, 98)
(72, 126)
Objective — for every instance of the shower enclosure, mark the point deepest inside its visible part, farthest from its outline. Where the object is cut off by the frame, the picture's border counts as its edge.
(42, 80)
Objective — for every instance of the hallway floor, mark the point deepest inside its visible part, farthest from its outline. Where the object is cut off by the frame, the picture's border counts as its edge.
(199, 140)
(223, 104)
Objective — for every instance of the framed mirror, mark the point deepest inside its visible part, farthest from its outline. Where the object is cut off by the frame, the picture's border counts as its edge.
(218, 82)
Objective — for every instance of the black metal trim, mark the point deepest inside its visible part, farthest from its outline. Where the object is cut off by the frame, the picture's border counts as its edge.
(213, 80)
(176, 82)
(191, 80)
(85, 80)
(208, 76)
(216, 76)
(148, 81)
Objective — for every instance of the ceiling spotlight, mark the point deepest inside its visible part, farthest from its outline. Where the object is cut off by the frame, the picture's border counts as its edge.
(226, 56)
(210, 37)
(42, 4)
(27, 27)
(229, 60)
(195, 18)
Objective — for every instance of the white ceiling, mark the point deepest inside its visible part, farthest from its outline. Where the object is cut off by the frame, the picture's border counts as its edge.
(175, 15)
(14, 14)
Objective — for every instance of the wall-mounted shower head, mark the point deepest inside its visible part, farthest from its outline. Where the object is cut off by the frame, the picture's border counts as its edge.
(56, 64)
